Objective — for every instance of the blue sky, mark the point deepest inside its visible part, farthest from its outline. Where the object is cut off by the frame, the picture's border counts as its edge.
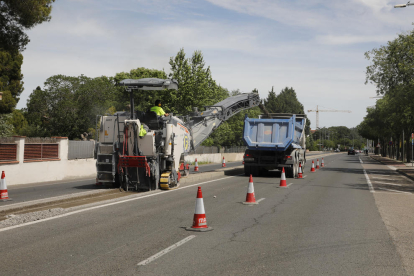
(317, 47)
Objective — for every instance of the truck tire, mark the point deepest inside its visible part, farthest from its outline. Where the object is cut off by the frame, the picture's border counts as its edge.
(247, 170)
(296, 169)
(289, 172)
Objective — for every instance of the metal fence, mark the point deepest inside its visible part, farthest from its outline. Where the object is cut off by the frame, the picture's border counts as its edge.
(234, 149)
(206, 150)
(37, 152)
(80, 149)
(8, 152)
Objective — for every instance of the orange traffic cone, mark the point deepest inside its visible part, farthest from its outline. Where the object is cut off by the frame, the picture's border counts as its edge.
(317, 164)
(196, 166)
(300, 175)
(250, 199)
(199, 220)
(313, 167)
(322, 163)
(283, 178)
(4, 195)
(223, 163)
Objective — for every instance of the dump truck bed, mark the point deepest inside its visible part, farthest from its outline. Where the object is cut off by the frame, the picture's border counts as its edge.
(276, 134)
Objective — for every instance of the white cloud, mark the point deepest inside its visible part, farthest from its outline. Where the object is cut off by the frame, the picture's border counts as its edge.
(314, 46)
(352, 39)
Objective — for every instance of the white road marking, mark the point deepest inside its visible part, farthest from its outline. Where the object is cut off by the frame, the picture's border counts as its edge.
(385, 183)
(305, 176)
(260, 200)
(392, 168)
(165, 251)
(371, 188)
(287, 186)
(384, 178)
(360, 160)
(110, 204)
(395, 191)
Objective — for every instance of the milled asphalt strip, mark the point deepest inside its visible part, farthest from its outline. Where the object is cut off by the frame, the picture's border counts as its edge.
(110, 204)
(165, 251)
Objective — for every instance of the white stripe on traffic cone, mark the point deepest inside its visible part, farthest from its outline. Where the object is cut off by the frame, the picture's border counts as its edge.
(4, 195)
(196, 166)
(283, 178)
(300, 175)
(250, 199)
(199, 220)
(313, 167)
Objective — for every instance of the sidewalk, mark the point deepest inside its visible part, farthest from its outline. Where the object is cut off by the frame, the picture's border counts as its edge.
(403, 168)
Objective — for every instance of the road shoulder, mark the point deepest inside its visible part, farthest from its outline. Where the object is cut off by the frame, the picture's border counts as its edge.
(397, 212)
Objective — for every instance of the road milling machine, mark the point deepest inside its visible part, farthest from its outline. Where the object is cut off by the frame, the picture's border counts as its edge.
(156, 160)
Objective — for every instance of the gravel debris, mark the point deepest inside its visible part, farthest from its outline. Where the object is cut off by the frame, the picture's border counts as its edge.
(23, 218)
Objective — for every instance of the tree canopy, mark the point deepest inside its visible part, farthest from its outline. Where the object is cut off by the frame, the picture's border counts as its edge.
(16, 16)
(391, 70)
(68, 106)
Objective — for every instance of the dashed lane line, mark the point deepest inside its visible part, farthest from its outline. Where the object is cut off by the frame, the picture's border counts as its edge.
(165, 251)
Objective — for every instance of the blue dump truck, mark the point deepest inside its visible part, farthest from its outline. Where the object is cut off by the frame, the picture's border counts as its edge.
(274, 141)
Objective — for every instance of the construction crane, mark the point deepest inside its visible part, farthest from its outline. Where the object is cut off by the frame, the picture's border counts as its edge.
(319, 110)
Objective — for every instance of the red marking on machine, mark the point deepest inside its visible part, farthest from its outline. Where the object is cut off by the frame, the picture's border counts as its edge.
(134, 162)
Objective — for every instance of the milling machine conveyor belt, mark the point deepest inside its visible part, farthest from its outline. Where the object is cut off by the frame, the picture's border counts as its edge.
(203, 123)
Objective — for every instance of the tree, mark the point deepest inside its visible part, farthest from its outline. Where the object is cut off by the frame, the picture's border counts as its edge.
(16, 16)
(10, 79)
(68, 105)
(196, 85)
(391, 71)
(143, 100)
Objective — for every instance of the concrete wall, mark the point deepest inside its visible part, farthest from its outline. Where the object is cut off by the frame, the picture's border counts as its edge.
(214, 157)
(45, 171)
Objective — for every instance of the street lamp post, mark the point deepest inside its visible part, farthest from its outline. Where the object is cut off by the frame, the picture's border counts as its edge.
(404, 5)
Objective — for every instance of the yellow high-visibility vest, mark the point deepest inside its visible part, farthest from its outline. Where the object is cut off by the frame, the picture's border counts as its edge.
(142, 131)
(158, 110)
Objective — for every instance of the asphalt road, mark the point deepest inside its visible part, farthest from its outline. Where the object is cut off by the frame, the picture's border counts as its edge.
(325, 224)
(25, 193)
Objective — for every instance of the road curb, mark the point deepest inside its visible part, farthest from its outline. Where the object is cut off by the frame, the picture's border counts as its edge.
(51, 200)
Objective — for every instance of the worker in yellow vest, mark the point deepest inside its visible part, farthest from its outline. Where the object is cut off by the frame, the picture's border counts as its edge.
(142, 131)
(158, 109)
